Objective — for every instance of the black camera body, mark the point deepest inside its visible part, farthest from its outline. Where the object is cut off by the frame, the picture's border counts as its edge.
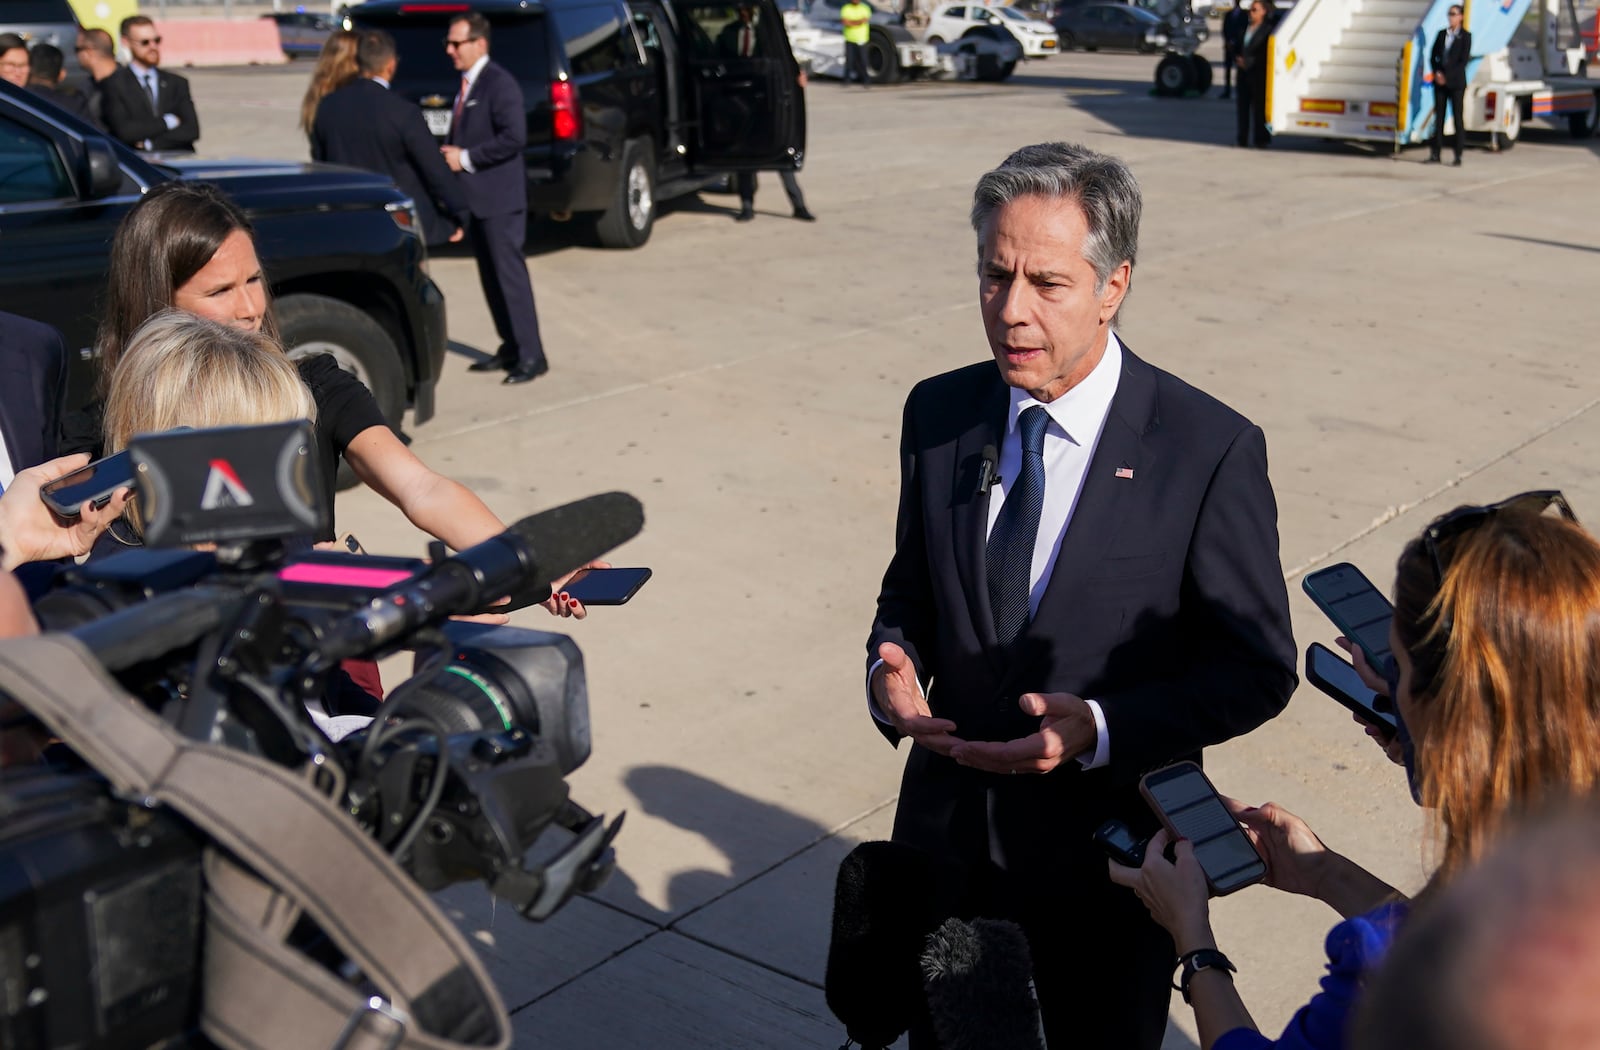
(463, 768)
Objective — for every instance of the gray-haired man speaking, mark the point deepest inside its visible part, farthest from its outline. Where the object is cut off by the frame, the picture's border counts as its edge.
(1085, 586)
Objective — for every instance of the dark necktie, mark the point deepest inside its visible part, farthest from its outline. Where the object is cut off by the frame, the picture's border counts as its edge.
(1009, 554)
(155, 92)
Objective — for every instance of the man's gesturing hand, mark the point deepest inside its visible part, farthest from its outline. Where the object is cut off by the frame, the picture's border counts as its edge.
(1066, 728)
(900, 700)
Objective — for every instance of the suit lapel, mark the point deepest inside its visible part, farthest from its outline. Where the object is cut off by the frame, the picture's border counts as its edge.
(1107, 490)
(970, 508)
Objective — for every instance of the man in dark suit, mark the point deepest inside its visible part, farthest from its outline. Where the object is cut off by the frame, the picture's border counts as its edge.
(33, 389)
(97, 56)
(488, 131)
(1452, 49)
(46, 71)
(1085, 586)
(1251, 61)
(1233, 29)
(142, 104)
(365, 125)
(740, 38)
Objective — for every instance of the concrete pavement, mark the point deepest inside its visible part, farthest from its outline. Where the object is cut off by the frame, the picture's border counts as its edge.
(1409, 337)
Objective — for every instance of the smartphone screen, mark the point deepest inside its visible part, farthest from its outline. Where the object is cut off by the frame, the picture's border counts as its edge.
(1334, 675)
(1191, 807)
(606, 586)
(98, 481)
(1356, 607)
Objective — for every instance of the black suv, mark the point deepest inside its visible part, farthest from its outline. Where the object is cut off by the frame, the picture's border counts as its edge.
(340, 248)
(630, 102)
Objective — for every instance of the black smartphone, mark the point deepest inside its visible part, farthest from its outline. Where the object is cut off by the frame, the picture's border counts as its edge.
(1356, 607)
(1334, 675)
(1190, 808)
(95, 483)
(1119, 843)
(606, 586)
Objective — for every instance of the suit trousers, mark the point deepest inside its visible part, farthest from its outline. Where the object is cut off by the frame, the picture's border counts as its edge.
(1102, 968)
(1456, 96)
(1250, 102)
(503, 272)
(746, 182)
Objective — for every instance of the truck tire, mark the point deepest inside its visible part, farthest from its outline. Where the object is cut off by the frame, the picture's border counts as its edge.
(1174, 76)
(1504, 140)
(315, 324)
(632, 215)
(1202, 72)
(1066, 41)
(883, 58)
(1582, 125)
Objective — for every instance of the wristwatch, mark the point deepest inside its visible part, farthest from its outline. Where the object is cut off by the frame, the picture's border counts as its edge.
(1193, 962)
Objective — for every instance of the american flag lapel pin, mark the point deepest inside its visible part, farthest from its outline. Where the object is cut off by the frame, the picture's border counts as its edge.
(1125, 472)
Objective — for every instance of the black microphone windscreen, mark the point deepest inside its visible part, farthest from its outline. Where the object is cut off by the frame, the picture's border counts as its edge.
(888, 898)
(978, 977)
(991, 456)
(570, 536)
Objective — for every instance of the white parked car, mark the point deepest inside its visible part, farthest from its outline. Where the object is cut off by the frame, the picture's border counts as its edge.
(953, 21)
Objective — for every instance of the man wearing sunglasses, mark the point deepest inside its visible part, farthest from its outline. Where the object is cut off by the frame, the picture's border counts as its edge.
(144, 105)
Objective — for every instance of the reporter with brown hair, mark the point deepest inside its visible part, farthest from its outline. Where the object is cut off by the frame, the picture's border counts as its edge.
(1496, 638)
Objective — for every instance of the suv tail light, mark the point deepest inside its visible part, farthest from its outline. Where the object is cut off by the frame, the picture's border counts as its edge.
(563, 110)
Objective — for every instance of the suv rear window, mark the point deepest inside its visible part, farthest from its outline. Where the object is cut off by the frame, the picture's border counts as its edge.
(34, 12)
(520, 44)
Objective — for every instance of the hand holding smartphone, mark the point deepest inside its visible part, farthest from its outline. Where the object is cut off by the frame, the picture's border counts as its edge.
(605, 586)
(1189, 807)
(95, 483)
(1335, 675)
(1360, 611)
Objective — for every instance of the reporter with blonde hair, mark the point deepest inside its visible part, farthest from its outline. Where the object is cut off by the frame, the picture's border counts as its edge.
(1496, 641)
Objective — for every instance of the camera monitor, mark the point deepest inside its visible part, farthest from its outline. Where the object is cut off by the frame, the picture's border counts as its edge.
(228, 484)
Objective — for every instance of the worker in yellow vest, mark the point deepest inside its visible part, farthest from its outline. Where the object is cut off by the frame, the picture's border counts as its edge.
(856, 17)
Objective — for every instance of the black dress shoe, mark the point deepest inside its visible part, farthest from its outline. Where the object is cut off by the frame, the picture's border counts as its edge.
(1431, 160)
(804, 215)
(1456, 163)
(525, 373)
(745, 215)
(497, 363)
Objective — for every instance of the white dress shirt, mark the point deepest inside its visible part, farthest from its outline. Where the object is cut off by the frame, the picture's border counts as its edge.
(1077, 419)
(472, 79)
(7, 471)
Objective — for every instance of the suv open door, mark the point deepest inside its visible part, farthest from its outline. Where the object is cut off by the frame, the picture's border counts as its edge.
(748, 110)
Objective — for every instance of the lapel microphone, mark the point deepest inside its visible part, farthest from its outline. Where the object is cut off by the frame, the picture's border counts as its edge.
(988, 472)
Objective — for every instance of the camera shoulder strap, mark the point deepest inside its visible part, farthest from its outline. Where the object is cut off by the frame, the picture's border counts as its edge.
(284, 848)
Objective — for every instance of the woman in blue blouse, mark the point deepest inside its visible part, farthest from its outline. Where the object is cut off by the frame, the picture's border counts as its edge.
(1496, 642)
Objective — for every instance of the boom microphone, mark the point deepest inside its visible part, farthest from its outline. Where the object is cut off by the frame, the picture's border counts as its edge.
(534, 551)
(888, 898)
(978, 977)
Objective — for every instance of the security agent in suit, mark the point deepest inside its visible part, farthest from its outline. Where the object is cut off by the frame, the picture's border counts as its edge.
(1251, 61)
(1233, 28)
(1111, 602)
(46, 71)
(1452, 49)
(488, 132)
(365, 125)
(143, 105)
(33, 390)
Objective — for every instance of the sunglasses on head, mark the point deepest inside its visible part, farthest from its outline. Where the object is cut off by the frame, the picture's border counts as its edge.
(1466, 519)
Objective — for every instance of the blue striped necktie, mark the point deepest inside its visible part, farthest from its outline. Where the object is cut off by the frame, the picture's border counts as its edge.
(1009, 554)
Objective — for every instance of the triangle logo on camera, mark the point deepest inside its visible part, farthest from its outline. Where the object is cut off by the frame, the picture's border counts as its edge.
(224, 489)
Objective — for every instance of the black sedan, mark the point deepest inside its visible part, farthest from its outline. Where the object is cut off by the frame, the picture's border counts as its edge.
(1093, 26)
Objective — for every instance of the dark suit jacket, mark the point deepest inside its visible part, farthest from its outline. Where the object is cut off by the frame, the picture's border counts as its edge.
(70, 101)
(728, 41)
(1454, 64)
(1234, 23)
(33, 389)
(365, 125)
(1166, 605)
(1254, 52)
(127, 113)
(493, 129)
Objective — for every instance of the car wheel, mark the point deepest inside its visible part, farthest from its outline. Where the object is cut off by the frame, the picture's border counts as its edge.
(1174, 76)
(1202, 73)
(936, 40)
(1067, 41)
(1504, 140)
(315, 324)
(883, 58)
(1090, 45)
(1582, 125)
(627, 223)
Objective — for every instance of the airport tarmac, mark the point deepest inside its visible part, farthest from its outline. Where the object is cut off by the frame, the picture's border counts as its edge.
(1410, 338)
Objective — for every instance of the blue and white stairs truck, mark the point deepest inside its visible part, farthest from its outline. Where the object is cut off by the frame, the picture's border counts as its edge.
(1358, 69)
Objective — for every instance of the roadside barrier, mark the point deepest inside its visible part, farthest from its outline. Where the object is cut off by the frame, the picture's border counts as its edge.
(217, 42)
